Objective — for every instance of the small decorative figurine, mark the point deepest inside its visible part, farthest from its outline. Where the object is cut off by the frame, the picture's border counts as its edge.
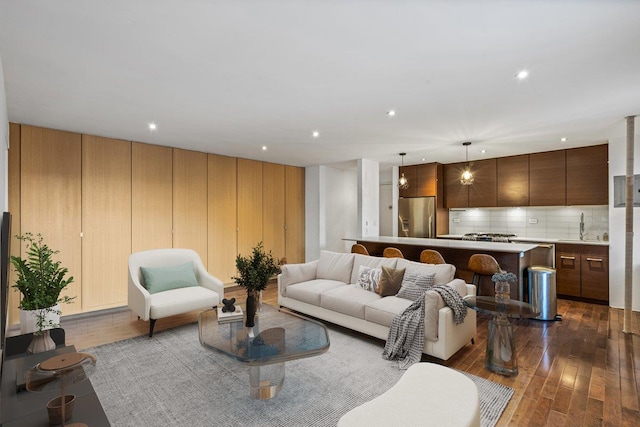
(229, 306)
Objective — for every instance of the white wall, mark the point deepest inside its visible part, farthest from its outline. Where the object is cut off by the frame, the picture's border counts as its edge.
(330, 209)
(4, 143)
(368, 212)
(618, 166)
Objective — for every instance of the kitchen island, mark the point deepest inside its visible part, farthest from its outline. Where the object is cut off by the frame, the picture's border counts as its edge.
(512, 257)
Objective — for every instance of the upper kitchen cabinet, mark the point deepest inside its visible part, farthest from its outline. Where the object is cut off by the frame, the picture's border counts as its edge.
(547, 183)
(411, 173)
(587, 175)
(423, 180)
(456, 195)
(513, 180)
(483, 192)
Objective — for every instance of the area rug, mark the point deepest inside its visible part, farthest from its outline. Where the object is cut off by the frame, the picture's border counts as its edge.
(171, 380)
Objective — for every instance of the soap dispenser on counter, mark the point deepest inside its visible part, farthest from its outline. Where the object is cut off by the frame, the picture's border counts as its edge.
(605, 237)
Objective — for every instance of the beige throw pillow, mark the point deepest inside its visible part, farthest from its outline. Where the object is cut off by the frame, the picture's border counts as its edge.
(390, 281)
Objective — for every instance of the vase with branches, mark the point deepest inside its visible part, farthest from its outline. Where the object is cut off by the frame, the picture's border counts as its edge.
(40, 280)
(254, 273)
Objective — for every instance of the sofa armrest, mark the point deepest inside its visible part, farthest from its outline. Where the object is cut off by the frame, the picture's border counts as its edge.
(296, 273)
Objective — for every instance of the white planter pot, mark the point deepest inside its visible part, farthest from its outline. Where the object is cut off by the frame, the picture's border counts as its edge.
(29, 318)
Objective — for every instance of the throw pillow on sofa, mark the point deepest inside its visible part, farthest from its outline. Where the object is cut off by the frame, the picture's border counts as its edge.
(368, 278)
(390, 281)
(414, 284)
(159, 279)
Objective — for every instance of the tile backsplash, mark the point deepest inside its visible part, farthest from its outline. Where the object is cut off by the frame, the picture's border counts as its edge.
(561, 222)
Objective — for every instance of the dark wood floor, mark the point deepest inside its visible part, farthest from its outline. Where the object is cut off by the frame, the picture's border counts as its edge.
(582, 371)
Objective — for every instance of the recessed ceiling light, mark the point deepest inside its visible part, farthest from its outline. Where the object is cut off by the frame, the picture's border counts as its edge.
(564, 139)
(315, 134)
(424, 160)
(523, 74)
(483, 151)
(264, 148)
(391, 113)
(153, 126)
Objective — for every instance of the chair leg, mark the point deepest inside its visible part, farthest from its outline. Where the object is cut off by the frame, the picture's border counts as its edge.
(473, 342)
(152, 323)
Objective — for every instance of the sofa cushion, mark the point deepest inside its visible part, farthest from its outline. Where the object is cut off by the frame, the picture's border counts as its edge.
(296, 273)
(444, 273)
(414, 284)
(385, 309)
(368, 278)
(335, 266)
(182, 300)
(349, 300)
(160, 279)
(310, 291)
(369, 261)
(390, 281)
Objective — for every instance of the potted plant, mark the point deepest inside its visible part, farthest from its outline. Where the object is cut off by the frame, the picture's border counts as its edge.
(254, 273)
(40, 281)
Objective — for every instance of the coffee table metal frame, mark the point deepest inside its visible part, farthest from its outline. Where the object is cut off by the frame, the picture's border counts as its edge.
(277, 337)
(501, 355)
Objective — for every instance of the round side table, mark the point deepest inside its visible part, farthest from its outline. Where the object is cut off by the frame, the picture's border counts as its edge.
(501, 347)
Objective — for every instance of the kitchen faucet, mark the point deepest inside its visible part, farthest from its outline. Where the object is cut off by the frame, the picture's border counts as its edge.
(582, 226)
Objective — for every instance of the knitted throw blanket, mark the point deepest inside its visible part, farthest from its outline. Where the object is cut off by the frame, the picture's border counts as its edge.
(406, 334)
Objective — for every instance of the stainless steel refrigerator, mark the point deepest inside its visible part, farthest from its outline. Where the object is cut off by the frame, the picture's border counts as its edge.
(417, 217)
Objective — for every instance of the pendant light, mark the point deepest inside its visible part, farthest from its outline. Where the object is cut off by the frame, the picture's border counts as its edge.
(467, 176)
(403, 182)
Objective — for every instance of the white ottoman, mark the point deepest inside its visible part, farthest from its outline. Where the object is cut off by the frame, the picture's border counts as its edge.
(427, 394)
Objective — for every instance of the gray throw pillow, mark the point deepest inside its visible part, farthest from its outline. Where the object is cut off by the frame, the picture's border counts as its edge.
(414, 284)
(368, 278)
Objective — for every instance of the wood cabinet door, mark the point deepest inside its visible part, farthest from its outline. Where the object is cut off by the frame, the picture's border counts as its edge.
(294, 215)
(426, 178)
(513, 180)
(249, 205)
(222, 224)
(190, 201)
(483, 192)
(456, 195)
(50, 198)
(411, 173)
(588, 175)
(547, 180)
(568, 274)
(273, 209)
(106, 222)
(151, 197)
(595, 276)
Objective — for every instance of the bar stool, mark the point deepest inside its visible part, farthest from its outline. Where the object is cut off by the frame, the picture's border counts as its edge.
(359, 249)
(482, 265)
(392, 253)
(429, 256)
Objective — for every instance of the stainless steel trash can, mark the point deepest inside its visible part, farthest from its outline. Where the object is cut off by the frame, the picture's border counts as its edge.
(542, 292)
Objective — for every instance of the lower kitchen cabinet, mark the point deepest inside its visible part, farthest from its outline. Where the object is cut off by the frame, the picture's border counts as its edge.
(582, 271)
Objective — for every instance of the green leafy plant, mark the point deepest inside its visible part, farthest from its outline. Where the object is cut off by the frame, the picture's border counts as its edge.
(255, 271)
(40, 280)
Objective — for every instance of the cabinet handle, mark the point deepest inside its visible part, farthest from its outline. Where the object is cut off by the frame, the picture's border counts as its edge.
(568, 257)
(540, 246)
(594, 259)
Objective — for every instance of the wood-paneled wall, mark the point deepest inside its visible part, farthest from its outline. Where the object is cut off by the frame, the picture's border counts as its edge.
(97, 200)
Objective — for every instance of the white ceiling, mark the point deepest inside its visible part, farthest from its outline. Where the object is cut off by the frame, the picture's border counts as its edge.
(231, 76)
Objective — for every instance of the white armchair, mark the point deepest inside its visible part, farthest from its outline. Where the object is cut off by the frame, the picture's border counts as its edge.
(153, 306)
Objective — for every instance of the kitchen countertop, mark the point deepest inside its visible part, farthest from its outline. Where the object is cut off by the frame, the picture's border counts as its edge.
(453, 244)
(538, 240)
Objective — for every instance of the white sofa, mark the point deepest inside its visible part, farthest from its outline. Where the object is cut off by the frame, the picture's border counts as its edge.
(326, 289)
(153, 306)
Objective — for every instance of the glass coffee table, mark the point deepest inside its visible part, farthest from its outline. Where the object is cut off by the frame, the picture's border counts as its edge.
(277, 337)
(501, 347)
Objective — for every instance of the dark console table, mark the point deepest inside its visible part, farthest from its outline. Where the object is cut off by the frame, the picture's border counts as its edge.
(27, 409)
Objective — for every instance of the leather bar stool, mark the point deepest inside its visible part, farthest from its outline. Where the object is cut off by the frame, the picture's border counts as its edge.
(392, 253)
(482, 265)
(429, 256)
(359, 249)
